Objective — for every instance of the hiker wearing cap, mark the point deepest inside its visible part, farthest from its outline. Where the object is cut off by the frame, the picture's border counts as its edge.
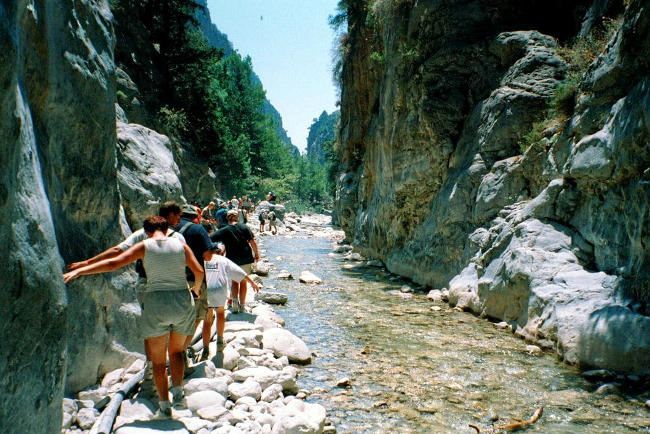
(168, 309)
(241, 248)
(219, 273)
(199, 242)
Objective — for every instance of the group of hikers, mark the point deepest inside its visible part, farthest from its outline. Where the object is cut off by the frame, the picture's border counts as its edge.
(175, 252)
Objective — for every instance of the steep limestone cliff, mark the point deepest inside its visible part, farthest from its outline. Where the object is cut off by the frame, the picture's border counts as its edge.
(57, 135)
(439, 98)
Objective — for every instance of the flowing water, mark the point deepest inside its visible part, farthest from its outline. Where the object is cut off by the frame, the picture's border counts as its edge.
(415, 369)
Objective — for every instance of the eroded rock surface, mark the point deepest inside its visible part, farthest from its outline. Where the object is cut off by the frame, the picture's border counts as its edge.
(437, 183)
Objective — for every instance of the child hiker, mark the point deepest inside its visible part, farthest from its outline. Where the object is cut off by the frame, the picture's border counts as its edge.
(219, 273)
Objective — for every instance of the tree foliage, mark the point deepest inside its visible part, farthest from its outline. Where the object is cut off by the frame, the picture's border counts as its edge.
(210, 101)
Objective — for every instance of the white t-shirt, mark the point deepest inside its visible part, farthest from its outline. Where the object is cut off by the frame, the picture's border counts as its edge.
(235, 204)
(141, 235)
(219, 273)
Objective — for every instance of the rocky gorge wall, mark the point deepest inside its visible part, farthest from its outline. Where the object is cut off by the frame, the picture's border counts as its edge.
(77, 178)
(442, 181)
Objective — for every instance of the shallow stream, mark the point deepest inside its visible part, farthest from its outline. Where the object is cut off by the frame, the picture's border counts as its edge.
(415, 369)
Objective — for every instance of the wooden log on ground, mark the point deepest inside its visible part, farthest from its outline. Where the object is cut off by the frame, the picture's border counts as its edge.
(104, 423)
(512, 426)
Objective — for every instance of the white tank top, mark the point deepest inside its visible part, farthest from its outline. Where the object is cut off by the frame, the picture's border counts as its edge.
(164, 262)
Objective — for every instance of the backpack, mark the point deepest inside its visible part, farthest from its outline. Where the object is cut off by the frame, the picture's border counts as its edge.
(272, 216)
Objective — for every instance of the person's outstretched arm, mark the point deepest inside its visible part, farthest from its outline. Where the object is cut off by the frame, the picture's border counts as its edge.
(110, 264)
(112, 252)
(252, 282)
(106, 254)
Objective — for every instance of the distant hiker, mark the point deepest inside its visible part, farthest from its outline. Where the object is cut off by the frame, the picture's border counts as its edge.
(242, 216)
(168, 309)
(262, 216)
(235, 202)
(219, 273)
(271, 197)
(171, 212)
(207, 214)
(272, 218)
(220, 215)
(241, 248)
(199, 242)
(247, 204)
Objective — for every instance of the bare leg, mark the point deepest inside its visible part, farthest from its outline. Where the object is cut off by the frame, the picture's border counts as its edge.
(206, 333)
(158, 352)
(188, 338)
(221, 321)
(235, 290)
(176, 364)
(147, 351)
(243, 286)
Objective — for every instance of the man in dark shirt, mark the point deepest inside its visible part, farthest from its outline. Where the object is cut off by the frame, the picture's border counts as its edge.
(241, 248)
(199, 242)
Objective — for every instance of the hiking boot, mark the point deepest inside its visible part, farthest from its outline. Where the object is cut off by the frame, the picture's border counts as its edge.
(221, 345)
(235, 305)
(189, 369)
(164, 410)
(178, 396)
(205, 353)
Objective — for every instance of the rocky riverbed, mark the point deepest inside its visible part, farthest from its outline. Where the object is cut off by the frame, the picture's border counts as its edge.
(363, 350)
(252, 386)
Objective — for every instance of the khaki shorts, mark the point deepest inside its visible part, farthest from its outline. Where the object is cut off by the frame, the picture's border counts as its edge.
(167, 311)
(201, 303)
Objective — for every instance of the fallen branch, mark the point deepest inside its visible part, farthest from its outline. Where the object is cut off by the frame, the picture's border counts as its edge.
(105, 421)
(512, 426)
(522, 424)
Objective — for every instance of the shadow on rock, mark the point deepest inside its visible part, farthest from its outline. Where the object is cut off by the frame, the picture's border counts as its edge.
(242, 316)
(161, 425)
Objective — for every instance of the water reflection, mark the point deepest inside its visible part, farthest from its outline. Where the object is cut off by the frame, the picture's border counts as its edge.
(413, 369)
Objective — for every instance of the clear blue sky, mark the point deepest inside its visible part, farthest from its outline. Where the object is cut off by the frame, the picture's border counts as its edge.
(290, 44)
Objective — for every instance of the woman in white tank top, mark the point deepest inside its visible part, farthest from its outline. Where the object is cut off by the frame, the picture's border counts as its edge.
(168, 308)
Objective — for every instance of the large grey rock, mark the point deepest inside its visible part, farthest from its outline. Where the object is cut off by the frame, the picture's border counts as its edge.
(249, 387)
(300, 417)
(285, 343)
(219, 385)
(309, 277)
(204, 398)
(146, 172)
(271, 297)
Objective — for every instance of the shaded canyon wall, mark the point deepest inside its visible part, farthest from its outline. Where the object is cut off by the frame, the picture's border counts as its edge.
(75, 180)
(444, 181)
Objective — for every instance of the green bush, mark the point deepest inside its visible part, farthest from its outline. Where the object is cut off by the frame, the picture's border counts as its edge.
(563, 101)
(533, 137)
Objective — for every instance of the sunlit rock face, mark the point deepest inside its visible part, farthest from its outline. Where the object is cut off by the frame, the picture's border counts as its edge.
(437, 98)
(146, 171)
